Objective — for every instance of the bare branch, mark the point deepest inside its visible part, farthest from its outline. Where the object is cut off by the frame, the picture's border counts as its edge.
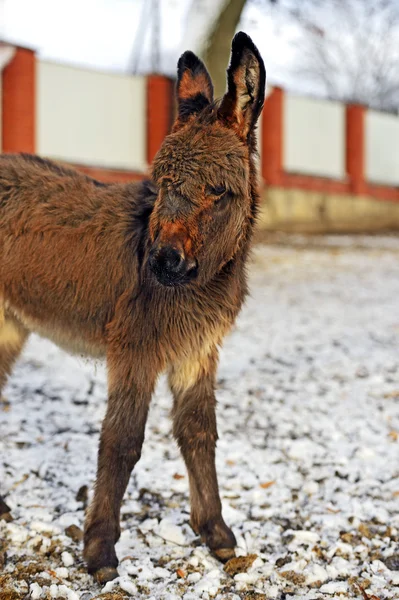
(348, 48)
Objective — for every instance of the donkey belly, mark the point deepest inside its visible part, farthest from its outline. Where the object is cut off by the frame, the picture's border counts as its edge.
(65, 337)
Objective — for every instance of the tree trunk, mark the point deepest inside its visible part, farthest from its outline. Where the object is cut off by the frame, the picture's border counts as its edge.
(217, 51)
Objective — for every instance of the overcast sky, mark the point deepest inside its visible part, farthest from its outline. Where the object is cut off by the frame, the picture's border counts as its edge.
(102, 33)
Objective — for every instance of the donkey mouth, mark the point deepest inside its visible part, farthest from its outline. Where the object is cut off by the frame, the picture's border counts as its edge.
(171, 280)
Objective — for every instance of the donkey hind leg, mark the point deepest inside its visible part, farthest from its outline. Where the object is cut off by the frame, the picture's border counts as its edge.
(12, 339)
(13, 336)
(194, 427)
(121, 440)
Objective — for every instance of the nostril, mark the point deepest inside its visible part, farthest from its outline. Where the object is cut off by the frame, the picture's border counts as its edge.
(173, 260)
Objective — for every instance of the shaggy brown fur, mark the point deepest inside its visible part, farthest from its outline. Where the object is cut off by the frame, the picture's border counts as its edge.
(149, 275)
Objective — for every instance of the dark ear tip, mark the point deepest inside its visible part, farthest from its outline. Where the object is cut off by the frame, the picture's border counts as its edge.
(188, 60)
(241, 38)
(242, 41)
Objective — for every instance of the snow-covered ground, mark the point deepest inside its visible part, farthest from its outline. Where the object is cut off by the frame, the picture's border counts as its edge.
(308, 457)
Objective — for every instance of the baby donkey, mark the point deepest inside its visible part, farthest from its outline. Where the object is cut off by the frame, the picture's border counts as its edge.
(149, 275)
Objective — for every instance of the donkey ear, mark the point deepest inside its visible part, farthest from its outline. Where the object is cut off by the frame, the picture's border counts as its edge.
(194, 86)
(246, 78)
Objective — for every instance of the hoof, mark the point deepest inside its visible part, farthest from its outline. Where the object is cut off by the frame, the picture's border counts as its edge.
(105, 574)
(223, 554)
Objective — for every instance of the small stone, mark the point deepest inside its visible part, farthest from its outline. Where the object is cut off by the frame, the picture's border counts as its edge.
(283, 560)
(35, 591)
(7, 517)
(306, 537)
(239, 564)
(53, 590)
(4, 508)
(364, 530)
(83, 495)
(75, 533)
(392, 562)
(67, 559)
(62, 572)
(334, 587)
(362, 372)
(194, 577)
(171, 532)
(127, 585)
(296, 578)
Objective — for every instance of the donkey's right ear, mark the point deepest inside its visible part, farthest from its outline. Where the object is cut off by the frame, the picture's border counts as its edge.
(246, 77)
(194, 86)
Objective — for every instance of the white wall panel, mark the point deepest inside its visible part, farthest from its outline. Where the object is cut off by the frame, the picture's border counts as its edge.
(314, 137)
(90, 117)
(382, 148)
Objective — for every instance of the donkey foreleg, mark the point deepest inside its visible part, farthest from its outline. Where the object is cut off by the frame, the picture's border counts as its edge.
(121, 441)
(194, 427)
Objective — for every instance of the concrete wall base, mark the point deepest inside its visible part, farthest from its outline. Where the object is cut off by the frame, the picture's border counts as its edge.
(301, 211)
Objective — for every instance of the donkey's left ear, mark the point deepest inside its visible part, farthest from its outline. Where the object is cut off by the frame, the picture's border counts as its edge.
(194, 86)
(246, 78)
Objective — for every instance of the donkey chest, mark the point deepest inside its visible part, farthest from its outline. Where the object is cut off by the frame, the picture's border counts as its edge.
(195, 327)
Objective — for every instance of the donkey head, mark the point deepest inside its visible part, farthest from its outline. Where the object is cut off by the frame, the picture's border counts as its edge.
(204, 172)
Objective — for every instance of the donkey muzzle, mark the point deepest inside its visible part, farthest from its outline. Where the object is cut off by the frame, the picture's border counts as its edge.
(171, 267)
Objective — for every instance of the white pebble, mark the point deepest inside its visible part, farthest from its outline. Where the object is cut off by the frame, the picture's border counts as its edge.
(35, 591)
(316, 573)
(161, 573)
(394, 577)
(344, 548)
(62, 572)
(334, 587)
(272, 591)
(194, 577)
(67, 559)
(171, 532)
(53, 590)
(127, 585)
(41, 527)
(46, 543)
(311, 487)
(306, 537)
(247, 577)
(65, 591)
(148, 525)
(16, 533)
(109, 586)
(257, 564)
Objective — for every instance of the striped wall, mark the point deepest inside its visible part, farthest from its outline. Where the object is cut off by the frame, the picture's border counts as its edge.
(111, 125)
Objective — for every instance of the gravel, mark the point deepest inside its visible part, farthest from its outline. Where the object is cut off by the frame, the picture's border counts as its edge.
(308, 414)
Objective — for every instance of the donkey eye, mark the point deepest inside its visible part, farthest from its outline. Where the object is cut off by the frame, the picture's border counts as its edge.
(219, 190)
